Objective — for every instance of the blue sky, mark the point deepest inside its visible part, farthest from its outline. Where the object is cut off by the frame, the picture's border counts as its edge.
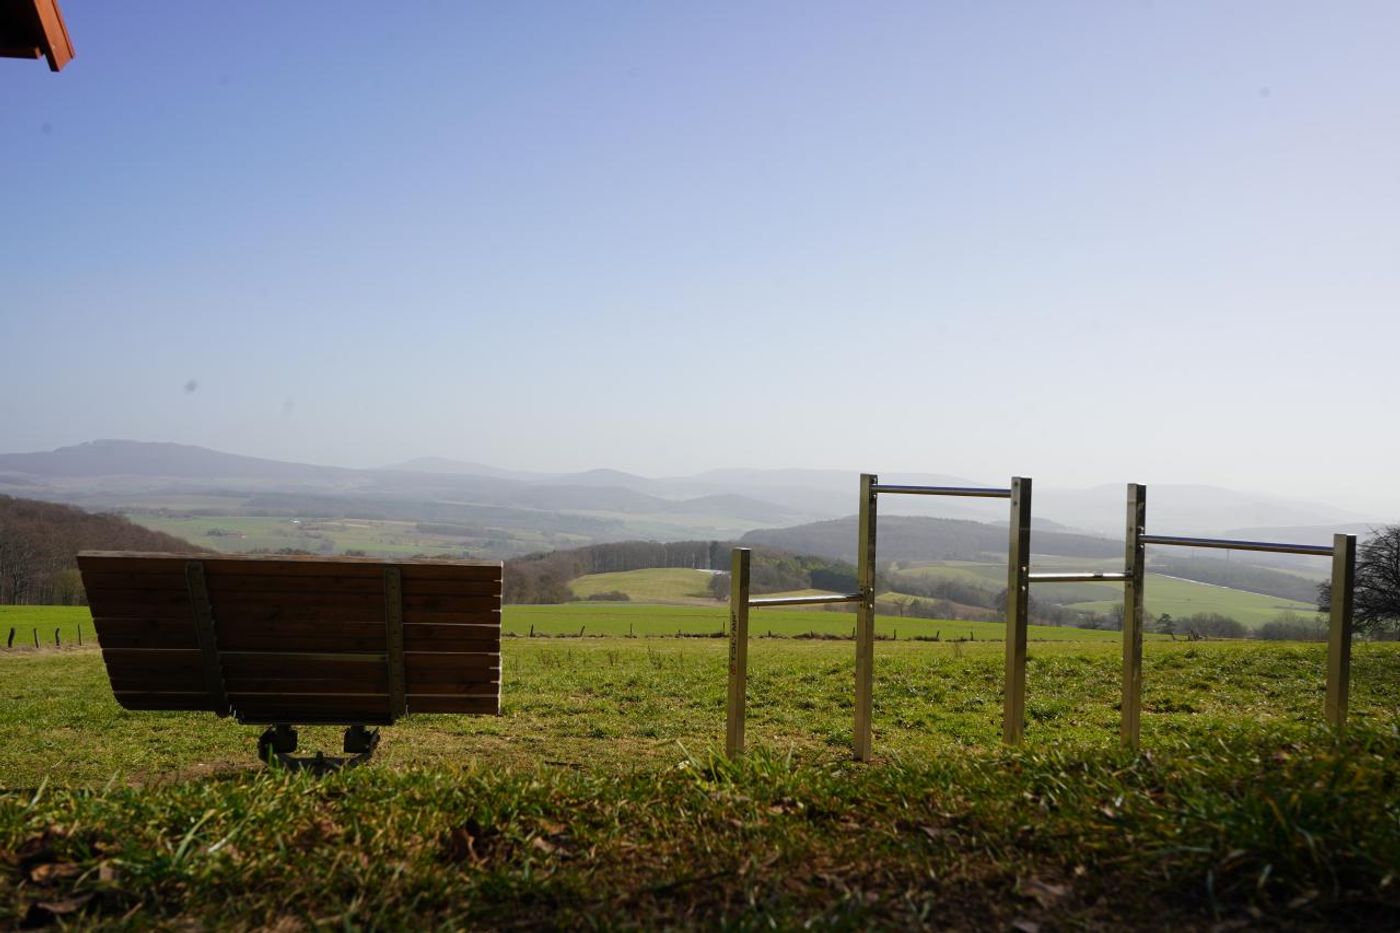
(1087, 242)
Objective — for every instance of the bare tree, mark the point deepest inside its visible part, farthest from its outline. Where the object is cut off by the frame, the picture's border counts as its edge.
(1377, 592)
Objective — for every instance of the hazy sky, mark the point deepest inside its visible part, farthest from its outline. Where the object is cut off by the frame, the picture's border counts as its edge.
(1086, 242)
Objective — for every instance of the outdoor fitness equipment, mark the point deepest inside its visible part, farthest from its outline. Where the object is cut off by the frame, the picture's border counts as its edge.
(1019, 577)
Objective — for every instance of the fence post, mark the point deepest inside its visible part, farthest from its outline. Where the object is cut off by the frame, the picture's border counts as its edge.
(1134, 560)
(10, 642)
(1018, 588)
(738, 651)
(865, 618)
(1339, 629)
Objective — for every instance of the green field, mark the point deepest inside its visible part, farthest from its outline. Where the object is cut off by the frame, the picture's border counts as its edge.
(42, 622)
(1182, 598)
(658, 585)
(238, 534)
(596, 799)
(1164, 594)
(620, 619)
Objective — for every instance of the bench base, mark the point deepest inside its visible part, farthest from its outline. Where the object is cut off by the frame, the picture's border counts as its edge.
(279, 741)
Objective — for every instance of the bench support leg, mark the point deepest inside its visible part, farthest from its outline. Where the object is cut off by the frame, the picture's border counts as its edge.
(279, 741)
(361, 741)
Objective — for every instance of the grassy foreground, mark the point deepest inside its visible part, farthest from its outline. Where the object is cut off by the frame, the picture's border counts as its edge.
(1299, 833)
(596, 799)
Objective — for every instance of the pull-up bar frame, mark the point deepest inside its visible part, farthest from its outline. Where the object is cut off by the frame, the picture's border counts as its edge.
(1339, 624)
(1132, 576)
(1017, 616)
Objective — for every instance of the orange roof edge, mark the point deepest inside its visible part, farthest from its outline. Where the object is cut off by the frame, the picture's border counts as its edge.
(30, 28)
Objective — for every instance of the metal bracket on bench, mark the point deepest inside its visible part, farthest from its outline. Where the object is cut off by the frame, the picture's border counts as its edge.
(393, 635)
(203, 612)
(279, 741)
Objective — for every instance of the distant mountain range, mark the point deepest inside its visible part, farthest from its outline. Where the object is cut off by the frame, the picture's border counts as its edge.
(608, 505)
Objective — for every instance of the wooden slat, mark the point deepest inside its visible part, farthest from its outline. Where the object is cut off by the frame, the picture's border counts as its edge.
(285, 565)
(311, 708)
(302, 606)
(151, 700)
(295, 636)
(151, 662)
(144, 633)
(109, 602)
(277, 664)
(305, 707)
(106, 581)
(419, 663)
(428, 617)
(420, 637)
(278, 686)
(479, 706)
(353, 669)
(57, 46)
(228, 619)
(176, 679)
(454, 687)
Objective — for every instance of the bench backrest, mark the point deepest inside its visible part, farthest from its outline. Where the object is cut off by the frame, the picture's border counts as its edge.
(297, 639)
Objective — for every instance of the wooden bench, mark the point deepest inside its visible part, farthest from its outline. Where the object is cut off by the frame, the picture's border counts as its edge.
(282, 641)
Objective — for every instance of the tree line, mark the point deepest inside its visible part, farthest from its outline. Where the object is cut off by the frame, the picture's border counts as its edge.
(40, 541)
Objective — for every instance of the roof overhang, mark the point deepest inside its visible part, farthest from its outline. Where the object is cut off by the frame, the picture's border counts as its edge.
(34, 28)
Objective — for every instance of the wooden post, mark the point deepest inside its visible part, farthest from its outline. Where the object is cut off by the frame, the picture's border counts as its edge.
(738, 651)
(1339, 629)
(1134, 565)
(393, 642)
(10, 642)
(36, 637)
(865, 618)
(1018, 588)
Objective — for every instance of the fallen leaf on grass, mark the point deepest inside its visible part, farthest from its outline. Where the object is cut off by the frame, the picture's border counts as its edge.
(67, 905)
(49, 872)
(1025, 926)
(44, 913)
(1044, 893)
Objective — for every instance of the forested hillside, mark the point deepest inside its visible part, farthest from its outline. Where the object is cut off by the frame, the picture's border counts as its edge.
(39, 543)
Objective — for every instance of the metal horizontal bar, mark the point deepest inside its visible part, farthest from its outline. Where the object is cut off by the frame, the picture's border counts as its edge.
(806, 600)
(1315, 550)
(976, 492)
(1090, 577)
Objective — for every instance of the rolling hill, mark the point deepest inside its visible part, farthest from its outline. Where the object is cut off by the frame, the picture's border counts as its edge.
(906, 538)
(514, 512)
